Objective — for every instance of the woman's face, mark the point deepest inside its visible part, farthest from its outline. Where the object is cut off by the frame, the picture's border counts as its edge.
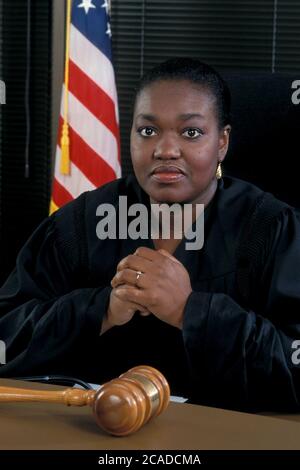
(176, 142)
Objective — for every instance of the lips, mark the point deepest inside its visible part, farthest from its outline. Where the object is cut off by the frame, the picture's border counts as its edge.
(167, 174)
(168, 169)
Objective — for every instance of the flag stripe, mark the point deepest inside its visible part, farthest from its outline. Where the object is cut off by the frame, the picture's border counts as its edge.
(93, 98)
(76, 182)
(93, 62)
(96, 134)
(60, 195)
(89, 162)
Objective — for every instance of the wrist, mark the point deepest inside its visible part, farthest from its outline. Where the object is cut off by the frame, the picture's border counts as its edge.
(180, 314)
(106, 324)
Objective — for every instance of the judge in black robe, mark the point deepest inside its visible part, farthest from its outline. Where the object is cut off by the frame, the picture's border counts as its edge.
(56, 314)
(53, 303)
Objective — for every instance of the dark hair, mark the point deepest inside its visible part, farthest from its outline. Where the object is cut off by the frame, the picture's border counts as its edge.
(195, 71)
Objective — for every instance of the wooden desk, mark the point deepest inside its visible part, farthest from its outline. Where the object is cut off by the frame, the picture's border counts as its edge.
(27, 426)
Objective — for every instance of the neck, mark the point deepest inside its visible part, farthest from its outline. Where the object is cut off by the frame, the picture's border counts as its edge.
(179, 217)
(207, 194)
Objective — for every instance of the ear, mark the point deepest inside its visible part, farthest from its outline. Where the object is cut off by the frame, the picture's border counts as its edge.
(224, 142)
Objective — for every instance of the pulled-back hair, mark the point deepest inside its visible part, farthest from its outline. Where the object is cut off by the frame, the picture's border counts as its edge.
(197, 72)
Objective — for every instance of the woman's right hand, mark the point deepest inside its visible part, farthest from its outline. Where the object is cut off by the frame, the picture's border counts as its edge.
(120, 311)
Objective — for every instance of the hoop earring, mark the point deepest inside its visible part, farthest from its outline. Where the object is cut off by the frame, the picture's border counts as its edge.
(219, 171)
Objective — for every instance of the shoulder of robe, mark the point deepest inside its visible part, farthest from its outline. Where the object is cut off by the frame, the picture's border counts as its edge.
(238, 199)
(77, 219)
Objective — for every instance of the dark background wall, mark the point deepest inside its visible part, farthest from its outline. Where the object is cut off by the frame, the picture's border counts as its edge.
(244, 36)
(25, 66)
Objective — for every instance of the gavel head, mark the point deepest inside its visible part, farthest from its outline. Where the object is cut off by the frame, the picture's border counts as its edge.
(123, 405)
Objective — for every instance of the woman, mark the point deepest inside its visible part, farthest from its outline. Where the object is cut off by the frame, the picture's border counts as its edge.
(80, 305)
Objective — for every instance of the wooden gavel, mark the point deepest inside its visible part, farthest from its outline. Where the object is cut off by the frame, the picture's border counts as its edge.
(121, 406)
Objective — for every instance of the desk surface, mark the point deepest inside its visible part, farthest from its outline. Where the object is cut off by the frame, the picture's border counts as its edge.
(27, 426)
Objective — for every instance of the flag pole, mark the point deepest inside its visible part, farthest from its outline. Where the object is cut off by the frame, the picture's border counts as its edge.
(65, 140)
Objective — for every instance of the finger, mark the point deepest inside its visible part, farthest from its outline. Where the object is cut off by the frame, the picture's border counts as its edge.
(128, 276)
(136, 263)
(131, 294)
(154, 255)
(148, 253)
(125, 276)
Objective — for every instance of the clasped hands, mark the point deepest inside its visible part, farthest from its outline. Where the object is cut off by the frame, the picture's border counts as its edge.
(162, 288)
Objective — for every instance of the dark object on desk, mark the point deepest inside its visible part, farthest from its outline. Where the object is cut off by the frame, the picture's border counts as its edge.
(57, 380)
(121, 406)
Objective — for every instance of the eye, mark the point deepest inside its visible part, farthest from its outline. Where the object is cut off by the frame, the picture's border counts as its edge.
(192, 133)
(146, 131)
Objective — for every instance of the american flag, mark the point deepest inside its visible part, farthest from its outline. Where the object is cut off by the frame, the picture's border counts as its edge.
(92, 108)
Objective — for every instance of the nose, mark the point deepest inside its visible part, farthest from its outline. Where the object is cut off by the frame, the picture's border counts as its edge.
(167, 148)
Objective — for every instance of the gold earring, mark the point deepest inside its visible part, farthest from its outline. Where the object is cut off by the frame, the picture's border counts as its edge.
(219, 171)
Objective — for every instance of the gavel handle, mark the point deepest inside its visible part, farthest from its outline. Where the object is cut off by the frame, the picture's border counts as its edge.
(68, 396)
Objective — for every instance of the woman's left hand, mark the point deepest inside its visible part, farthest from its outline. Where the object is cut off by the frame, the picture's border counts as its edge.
(163, 286)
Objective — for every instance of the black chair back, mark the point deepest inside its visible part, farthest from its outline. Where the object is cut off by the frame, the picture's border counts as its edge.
(265, 138)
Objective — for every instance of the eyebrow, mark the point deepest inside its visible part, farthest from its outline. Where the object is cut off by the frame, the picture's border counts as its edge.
(186, 117)
(148, 117)
(182, 117)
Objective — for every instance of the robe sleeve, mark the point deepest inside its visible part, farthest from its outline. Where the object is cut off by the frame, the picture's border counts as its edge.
(46, 318)
(244, 359)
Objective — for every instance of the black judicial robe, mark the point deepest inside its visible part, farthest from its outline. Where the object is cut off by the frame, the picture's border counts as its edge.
(227, 354)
